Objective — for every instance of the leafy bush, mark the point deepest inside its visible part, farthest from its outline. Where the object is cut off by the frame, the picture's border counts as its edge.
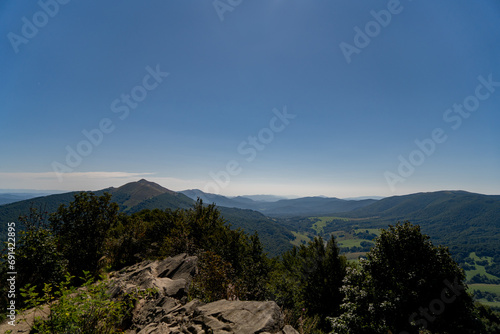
(489, 318)
(86, 310)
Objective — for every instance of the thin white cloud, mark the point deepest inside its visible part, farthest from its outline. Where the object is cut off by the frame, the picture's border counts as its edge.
(90, 181)
(71, 181)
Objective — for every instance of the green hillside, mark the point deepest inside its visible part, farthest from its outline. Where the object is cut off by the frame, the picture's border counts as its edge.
(465, 222)
(144, 195)
(275, 238)
(11, 212)
(134, 193)
(162, 202)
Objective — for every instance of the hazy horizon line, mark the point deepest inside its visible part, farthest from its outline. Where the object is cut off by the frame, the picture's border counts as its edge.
(289, 196)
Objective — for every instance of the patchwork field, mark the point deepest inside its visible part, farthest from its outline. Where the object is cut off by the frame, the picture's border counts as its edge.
(321, 223)
(490, 294)
(353, 240)
(300, 238)
(479, 266)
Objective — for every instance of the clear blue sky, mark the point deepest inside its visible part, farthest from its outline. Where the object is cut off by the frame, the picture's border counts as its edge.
(330, 111)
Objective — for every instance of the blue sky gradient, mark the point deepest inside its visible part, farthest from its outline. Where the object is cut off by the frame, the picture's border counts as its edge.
(354, 118)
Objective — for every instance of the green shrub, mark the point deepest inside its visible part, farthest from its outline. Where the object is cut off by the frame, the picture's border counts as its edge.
(84, 310)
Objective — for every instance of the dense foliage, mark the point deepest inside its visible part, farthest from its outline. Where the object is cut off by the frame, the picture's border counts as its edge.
(308, 279)
(406, 284)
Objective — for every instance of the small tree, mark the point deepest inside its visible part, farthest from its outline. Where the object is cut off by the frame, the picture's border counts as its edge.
(255, 271)
(82, 228)
(310, 279)
(405, 285)
(37, 259)
(126, 243)
(214, 279)
(322, 286)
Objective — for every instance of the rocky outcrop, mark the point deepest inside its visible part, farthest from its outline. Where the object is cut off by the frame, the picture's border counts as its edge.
(168, 311)
(170, 277)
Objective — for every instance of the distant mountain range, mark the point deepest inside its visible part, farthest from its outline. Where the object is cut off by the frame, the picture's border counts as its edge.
(136, 196)
(447, 216)
(266, 198)
(6, 198)
(283, 207)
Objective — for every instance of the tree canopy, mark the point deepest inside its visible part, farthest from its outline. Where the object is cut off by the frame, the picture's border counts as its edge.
(404, 285)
